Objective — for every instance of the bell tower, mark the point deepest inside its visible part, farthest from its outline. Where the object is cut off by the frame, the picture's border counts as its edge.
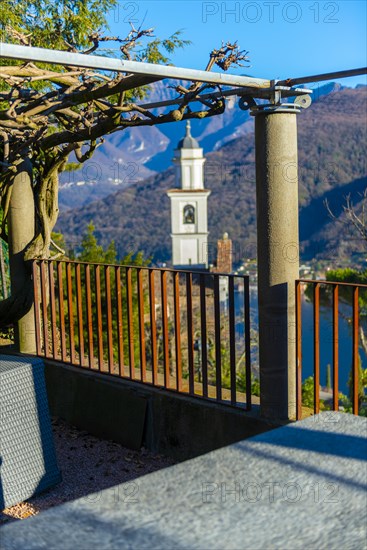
(189, 209)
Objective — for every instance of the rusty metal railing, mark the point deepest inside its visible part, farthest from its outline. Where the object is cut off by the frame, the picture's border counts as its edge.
(332, 294)
(172, 329)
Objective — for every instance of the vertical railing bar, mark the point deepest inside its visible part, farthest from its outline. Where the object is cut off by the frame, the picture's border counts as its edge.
(130, 322)
(166, 366)
(203, 330)
(218, 352)
(336, 348)
(316, 350)
(232, 338)
(153, 328)
(298, 352)
(143, 361)
(61, 310)
(44, 309)
(190, 333)
(69, 286)
(79, 313)
(120, 333)
(355, 328)
(97, 274)
(248, 343)
(37, 312)
(89, 317)
(176, 287)
(109, 319)
(53, 309)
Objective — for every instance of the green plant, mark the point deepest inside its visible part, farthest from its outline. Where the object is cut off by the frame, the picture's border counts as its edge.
(308, 392)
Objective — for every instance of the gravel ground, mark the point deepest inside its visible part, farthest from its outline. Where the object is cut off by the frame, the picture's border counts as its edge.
(87, 464)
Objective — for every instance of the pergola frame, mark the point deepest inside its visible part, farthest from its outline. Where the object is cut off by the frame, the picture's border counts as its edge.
(241, 85)
(276, 195)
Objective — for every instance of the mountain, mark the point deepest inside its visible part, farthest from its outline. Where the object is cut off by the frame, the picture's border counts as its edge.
(331, 143)
(117, 163)
(130, 156)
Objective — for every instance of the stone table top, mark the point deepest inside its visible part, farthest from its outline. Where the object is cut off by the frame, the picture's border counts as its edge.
(299, 486)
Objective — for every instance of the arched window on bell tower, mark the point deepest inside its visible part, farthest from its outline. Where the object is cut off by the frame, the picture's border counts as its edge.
(189, 214)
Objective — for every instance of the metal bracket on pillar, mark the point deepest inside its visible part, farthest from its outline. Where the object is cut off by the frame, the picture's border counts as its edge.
(246, 102)
(276, 96)
(302, 101)
(281, 108)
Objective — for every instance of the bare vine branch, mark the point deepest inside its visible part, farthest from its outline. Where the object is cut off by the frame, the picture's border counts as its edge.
(351, 218)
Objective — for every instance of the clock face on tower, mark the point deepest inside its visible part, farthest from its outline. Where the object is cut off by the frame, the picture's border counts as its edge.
(189, 214)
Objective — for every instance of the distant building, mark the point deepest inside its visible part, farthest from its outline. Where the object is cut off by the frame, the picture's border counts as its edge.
(224, 265)
(189, 209)
(305, 271)
(224, 255)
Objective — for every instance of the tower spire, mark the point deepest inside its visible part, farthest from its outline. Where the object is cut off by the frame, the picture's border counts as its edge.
(188, 142)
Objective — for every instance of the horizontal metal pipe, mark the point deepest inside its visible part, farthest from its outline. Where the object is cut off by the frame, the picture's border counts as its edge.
(321, 77)
(57, 57)
(321, 282)
(168, 269)
(263, 93)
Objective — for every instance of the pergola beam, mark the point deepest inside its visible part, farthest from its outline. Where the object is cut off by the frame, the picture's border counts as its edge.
(320, 77)
(43, 55)
(56, 57)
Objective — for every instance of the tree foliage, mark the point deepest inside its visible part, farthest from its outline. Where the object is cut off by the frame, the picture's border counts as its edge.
(347, 275)
(93, 252)
(54, 24)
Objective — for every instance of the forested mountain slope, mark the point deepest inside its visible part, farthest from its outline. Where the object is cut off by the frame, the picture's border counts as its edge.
(331, 143)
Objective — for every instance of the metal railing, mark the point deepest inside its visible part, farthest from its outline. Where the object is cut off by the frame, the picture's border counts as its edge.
(331, 295)
(179, 330)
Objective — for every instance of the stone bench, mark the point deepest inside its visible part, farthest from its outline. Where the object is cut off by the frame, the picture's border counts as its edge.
(27, 456)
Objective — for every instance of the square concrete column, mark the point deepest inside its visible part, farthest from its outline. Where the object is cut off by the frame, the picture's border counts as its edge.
(278, 256)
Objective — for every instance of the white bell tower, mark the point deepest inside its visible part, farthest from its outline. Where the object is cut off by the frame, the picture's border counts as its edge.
(189, 209)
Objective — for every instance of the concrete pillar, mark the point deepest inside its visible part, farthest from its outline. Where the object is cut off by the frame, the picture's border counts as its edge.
(278, 257)
(21, 227)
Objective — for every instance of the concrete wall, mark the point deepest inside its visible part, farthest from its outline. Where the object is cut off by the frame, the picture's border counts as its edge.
(135, 414)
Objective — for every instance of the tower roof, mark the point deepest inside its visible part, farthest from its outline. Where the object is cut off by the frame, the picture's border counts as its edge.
(188, 142)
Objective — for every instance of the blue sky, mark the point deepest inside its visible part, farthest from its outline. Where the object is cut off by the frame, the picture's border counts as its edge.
(284, 38)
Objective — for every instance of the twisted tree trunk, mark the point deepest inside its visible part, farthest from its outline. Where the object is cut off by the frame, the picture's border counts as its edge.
(21, 229)
(3, 272)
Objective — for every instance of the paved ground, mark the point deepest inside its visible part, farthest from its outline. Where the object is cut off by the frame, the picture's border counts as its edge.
(88, 465)
(299, 486)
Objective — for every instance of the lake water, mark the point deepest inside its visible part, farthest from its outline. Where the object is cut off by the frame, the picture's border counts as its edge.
(326, 340)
